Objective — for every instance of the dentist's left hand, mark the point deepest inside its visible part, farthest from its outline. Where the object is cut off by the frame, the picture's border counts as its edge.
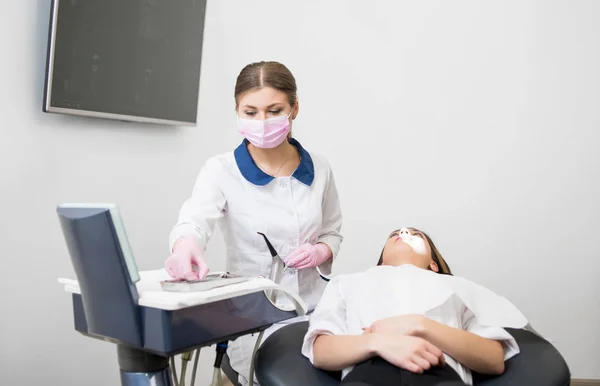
(308, 256)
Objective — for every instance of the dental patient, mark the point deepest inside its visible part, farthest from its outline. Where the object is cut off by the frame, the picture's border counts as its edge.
(409, 321)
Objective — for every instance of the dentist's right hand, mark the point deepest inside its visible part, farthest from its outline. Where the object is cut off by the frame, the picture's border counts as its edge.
(187, 260)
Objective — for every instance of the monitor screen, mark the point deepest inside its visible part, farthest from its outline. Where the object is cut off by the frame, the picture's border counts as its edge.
(132, 60)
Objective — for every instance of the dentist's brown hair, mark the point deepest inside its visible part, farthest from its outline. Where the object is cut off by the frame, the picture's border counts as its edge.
(266, 74)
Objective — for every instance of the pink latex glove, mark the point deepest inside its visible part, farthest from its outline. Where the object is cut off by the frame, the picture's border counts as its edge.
(308, 256)
(187, 260)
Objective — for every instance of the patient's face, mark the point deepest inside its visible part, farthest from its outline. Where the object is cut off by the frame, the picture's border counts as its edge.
(408, 246)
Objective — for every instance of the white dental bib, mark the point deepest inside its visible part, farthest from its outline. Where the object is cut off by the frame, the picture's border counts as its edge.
(407, 289)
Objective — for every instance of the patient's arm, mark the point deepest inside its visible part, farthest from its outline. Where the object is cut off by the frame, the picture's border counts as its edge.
(483, 355)
(327, 344)
(336, 352)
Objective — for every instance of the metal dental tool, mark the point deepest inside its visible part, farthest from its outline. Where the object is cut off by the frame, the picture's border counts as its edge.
(324, 277)
(277, 264)
(278, 268)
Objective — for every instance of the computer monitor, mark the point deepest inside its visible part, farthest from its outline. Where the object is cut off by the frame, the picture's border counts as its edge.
(84, 210)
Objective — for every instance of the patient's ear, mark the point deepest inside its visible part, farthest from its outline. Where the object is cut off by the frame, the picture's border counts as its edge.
(434, 267)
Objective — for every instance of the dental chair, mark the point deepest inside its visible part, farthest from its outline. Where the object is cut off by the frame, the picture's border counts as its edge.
(279, 362)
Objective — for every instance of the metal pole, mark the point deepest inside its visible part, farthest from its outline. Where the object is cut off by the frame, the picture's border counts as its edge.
(141, 368)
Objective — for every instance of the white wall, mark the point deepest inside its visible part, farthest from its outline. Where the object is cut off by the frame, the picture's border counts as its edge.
(477, 122)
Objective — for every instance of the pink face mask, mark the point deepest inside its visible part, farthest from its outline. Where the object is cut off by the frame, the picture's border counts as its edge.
(267, 133)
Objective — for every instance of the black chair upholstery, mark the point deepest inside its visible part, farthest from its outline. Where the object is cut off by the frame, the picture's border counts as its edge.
(279, 362)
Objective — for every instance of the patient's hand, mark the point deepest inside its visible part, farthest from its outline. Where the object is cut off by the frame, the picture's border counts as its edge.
(408, 352)
(410, 325)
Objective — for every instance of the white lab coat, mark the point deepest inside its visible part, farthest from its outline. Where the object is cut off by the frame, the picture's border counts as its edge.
(352, 302)
(290, 211)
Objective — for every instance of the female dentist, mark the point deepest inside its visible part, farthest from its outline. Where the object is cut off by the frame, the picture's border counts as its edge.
(268, 184)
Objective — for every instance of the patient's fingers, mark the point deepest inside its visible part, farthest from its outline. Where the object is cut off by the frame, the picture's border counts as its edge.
(436, 352)
(433, 349)
(420, 361)
(411, 366)
(429, 357)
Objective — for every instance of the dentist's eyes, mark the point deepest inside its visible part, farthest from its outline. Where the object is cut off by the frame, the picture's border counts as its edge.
(271, 112)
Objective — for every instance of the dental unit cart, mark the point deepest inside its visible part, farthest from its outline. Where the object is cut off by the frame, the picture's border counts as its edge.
(114, 302)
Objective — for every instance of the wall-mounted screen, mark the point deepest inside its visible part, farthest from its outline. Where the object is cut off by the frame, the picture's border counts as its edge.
(132, 60)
